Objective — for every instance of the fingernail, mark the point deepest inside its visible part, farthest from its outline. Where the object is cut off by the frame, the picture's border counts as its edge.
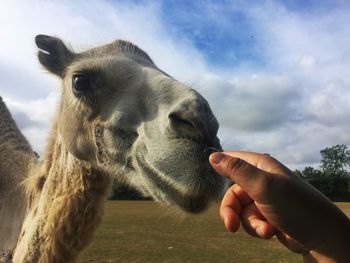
(227, 224)
(217, 157)
(260, 231)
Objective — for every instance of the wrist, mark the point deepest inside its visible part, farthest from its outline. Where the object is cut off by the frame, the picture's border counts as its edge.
(317, 257)
(335, 249)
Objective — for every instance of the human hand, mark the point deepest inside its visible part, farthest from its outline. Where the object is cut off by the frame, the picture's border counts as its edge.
(268, 199)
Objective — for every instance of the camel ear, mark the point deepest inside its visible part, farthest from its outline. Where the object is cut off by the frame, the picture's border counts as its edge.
(53, 54)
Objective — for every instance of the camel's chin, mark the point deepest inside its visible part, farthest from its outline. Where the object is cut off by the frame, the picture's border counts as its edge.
(193, 199)
(195, 204)
(191, 205)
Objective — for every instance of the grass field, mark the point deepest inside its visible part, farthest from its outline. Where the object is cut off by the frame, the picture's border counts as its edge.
(143, 231)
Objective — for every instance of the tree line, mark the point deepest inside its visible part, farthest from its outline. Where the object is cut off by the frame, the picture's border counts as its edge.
(332, 178)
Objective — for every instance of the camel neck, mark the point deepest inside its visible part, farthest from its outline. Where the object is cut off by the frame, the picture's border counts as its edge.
(69, 209)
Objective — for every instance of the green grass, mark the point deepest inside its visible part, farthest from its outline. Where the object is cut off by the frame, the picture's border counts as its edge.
(143, 231)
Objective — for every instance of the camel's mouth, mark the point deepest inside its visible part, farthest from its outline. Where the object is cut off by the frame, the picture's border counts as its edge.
(193, 197)
(181, 176)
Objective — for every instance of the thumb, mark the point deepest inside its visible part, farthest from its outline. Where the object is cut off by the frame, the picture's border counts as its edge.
(252, 179)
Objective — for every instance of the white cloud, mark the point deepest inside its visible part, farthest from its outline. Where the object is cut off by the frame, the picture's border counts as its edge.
(292, 108)
(307, 62)
(257, 102)
(34, 118)
(39, 110)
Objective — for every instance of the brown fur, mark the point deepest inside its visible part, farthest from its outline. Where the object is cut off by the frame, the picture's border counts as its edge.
(68, 211)
(66, 196)
(17, 159)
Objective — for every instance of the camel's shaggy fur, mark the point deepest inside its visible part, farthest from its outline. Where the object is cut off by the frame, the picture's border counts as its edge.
(69, 209)
(17, 159)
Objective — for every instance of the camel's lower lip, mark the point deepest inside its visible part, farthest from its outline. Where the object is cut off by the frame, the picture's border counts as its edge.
(191, 204)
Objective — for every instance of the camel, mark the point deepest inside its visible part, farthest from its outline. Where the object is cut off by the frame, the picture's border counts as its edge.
(119, 116)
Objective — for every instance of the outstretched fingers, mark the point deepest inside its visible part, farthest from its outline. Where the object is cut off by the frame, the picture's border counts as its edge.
(231, 207)
(255, 224)
(238, 207)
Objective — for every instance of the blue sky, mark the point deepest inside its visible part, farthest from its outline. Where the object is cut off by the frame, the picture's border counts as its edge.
(276, 73)
(227, 32)
(223, 33)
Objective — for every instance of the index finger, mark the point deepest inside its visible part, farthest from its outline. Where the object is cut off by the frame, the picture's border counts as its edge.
(261, 161)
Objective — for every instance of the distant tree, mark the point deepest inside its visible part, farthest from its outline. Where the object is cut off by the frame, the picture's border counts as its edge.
(333, 178)
(298, 173)
(334, 187)
(335, 160)
(310, 172)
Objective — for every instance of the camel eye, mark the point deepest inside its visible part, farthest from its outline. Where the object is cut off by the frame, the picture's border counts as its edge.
(81, 84)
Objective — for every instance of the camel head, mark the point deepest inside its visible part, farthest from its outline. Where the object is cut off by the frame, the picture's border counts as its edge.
(120, 113)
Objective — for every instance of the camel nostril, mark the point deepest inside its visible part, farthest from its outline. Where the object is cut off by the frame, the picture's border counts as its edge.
(191, 125)
(211, 150)
(177, 119)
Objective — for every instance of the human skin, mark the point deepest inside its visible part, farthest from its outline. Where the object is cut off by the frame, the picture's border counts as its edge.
(269, 200)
